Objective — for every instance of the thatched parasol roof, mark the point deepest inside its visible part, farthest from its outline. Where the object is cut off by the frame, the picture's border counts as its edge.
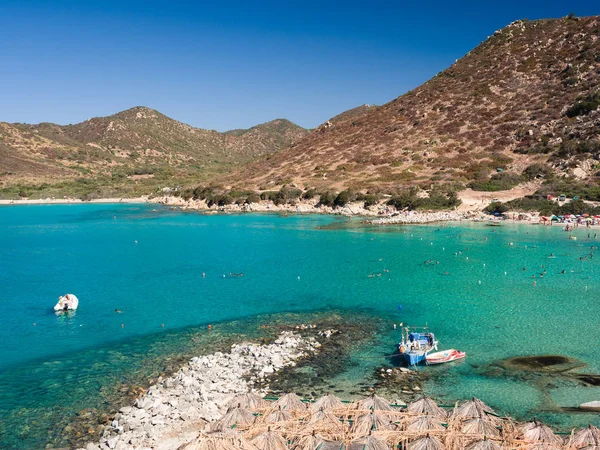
(543, 446)
(368, 443)
(365, 423)
(327, 402)
(248, 400)
(324, 416)
(586, 437)
(479, 425)
(237, 416)
(538, 432)
(427, 406)
(473, 408)
(374, 402)
(219, 441)
(425, 423)
(270, 440)
(279, 415)
(290, 402)
(310, 442)
(484, 445)
(426, 443)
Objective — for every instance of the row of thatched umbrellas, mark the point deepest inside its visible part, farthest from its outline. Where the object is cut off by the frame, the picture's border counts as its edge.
(289, 423)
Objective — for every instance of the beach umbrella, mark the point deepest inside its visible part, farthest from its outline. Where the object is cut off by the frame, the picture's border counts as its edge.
(279, 415)
(484, 445)
(425, 423)
(269, 440)
(585, 437)
(427, 406)
(365, 423)
(374, 402)
(248, 400)
(324, 416)
(472, 408)
(538, 432)
(479, 425)
(310, 442)
(291, 402)
(219, 441)
(426, 443)
(237, 416)
(327, 402)
(368, 443)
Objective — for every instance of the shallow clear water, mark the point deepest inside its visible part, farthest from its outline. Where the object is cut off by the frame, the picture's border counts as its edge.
(149, 264)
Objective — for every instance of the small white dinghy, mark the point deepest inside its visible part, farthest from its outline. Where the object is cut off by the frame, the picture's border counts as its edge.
(590, 406)
(67, 302)
(445, 356)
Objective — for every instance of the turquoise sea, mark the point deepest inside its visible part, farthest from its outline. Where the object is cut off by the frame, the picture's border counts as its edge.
(477, 294)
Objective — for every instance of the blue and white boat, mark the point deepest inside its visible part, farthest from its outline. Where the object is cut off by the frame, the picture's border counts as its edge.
(415, 346)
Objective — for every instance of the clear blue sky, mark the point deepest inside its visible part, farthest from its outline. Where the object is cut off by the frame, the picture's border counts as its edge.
(233, 64)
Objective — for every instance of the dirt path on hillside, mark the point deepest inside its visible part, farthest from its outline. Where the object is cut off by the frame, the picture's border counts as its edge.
(477, 200)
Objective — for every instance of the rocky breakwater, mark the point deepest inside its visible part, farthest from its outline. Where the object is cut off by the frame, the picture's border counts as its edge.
(175, 409)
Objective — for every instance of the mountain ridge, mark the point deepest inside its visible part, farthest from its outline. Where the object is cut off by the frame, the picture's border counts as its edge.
(504, 107)
(136, 142)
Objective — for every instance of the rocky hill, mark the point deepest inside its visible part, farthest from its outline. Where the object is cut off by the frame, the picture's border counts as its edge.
(525, 98)
(133, 145)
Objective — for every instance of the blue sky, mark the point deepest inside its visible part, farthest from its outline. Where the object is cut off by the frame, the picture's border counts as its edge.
(233, 64)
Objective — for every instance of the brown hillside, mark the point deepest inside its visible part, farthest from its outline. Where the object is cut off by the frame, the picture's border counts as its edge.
(139, 142)
(527, 94)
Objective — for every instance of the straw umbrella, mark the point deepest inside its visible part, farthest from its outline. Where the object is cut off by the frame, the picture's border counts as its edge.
(269, 440)
(247, 400)
(279, 415)
(484, 445)
(586, 437)
(219, 441)
(327, 402)
(427, 406)
(368, 443)
(374, 420)
(374, 402)
(310, 442)
(237, 416)
(424, 424)
(291, 402)
(473, 408)
(426, 443)
(479, 425)
(538, 432)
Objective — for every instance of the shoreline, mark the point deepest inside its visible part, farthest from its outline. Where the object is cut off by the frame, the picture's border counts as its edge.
(174, 410)
(371, 215)
(224, 396)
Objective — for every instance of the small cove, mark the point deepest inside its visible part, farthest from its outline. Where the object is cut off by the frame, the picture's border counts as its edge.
(473, 292)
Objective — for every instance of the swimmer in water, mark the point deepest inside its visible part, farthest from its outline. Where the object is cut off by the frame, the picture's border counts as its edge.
(118, 311)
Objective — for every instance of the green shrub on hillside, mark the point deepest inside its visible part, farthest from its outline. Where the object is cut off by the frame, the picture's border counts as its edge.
(585, 105)
(344, 198)
(497, 182)
(537, 170)
(327, 198)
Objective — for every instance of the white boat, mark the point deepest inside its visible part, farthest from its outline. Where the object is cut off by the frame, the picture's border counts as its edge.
(445, 356)
(591, 406)
(67, 302)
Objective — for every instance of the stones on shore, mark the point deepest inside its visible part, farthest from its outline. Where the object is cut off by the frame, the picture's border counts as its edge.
(202, 391)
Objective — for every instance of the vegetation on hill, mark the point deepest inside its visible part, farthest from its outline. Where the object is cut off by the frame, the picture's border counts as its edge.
(133, 152)
(527, 95)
